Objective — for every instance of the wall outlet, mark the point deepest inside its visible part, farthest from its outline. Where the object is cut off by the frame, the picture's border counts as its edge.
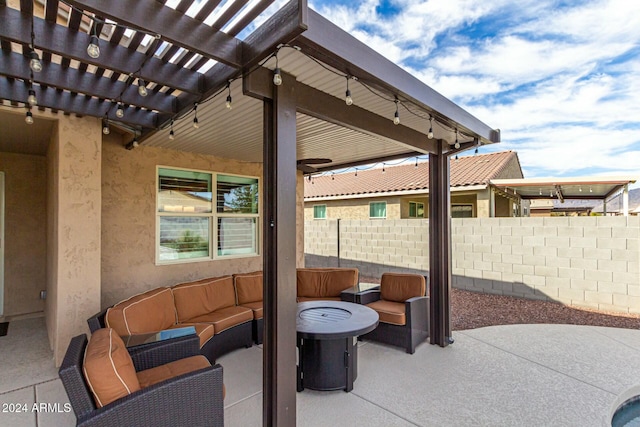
(43, 294)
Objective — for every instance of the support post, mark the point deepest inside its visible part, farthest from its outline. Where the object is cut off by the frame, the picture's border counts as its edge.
(279, 257)
(625, 200)
(439, 249)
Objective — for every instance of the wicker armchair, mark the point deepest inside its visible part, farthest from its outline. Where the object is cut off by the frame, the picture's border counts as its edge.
(403, 309)
(193, 399)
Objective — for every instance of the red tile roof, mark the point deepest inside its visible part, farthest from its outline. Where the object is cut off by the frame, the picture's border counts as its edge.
(466, 171)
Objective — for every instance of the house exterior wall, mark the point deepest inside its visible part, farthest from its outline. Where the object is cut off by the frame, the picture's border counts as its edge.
(353, 208)
(25, 232)
(404, 205)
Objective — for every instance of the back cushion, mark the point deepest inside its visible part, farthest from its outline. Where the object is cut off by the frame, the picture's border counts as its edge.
(204, 296)
(108, 368)
(248, 287)
(151, 311)
(325, 282)
(401, 287)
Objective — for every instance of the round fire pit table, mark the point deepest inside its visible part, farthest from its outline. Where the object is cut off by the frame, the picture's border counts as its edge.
(327, 343)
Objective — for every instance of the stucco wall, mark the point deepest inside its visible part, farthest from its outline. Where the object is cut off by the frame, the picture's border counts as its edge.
(129, 220)
(25, 232)
(353, 208)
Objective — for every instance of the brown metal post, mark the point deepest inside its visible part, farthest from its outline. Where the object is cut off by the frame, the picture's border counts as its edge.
(439, 249)
(279, 257)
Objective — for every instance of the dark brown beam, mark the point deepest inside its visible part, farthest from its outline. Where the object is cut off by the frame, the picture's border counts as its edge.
(175, 27)
(316, 103)
(72, 44)
(330, 44)
(26, 7)
(206, 10)
(249, 17)
(228, 14)
(382, 159)
(75, 104)
(17, 66)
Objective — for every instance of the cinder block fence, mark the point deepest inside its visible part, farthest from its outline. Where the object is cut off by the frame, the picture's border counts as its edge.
(582, 261)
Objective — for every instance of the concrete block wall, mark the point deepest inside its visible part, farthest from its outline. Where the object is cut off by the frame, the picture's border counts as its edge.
(590, 262)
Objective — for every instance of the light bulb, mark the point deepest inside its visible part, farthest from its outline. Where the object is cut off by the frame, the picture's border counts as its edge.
(105, 128)
(142, 89)
(277, 78)
(348, 99)
(32, 97)
(93, 50)
(430, 134)
(29, 118)
(35, 63)
(229, 106)
(135, 142)
(457, 144)
(195, 123)
(171, 135)
(120, 111)
(396, 118)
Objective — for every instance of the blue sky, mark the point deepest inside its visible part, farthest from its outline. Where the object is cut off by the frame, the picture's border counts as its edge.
(561, 79)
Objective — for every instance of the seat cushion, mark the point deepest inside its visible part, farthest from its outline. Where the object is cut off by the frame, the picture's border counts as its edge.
(324, 282)
(256, 307)
(204, 331)
(305, 299)
(108, 368)
(400, 287)
(225, 318)
(390, 312)
(204, 296)
(173, 369)
(248, 287)
(150, 311)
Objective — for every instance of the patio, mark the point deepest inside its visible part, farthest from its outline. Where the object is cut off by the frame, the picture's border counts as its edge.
(526, 375)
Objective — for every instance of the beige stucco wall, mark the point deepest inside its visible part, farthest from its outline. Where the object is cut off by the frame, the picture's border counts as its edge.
(25, 232)
(129, 220)
(353, 208)
(74, 200)
(300, 220)
(404, 205)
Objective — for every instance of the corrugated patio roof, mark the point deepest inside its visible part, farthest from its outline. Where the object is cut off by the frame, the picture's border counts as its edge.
(466, 171)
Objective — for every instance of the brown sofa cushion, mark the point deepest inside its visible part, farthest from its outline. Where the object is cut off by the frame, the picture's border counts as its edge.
(108, 368)
(256, 307)
(204, 296)
(400, 287)
(389, 311)
(325, 282)
(248, 287)
(204, 331)
(151, 311)
(305, 299)
(173, 369)
(225, 318)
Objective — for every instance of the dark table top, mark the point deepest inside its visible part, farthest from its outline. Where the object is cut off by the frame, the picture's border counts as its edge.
(324, 320)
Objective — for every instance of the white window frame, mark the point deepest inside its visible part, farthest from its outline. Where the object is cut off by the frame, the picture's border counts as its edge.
(325, 212)
(378, 217)
(213, 219)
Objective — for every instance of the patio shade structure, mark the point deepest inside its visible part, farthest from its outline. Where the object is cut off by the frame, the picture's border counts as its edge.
(165, 66)
(575, 188)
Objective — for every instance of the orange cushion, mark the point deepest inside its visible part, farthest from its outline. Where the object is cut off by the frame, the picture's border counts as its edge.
(151, 311)
(172, 369)
(248, 287)
(195, 299)
(325, 282)
(204, 331)
(225, 318)
(108, 368)
(389, 311)
(256, 307)
(400, 287)
(305, 299)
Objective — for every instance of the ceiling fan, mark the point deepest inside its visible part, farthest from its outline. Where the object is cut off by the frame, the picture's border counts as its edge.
(303, 164)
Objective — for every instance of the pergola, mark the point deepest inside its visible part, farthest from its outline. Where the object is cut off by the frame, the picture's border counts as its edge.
(192, 58)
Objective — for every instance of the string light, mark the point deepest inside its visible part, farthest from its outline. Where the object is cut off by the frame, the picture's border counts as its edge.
(195, 115)
(356, 172)
(93, 49)
(133, 144)
(32, 100)
(580, 189)
(456, 157)
(277, 78)
(171, 134)
(416, 165)
(348, 99)
(229, 106)
(35, 63)
(430, 134)
(383, 170)
(142, 87)
(105, 126)
(396, 116)
(29, 117)
(457, 144)
(120, 111)
(332, 176)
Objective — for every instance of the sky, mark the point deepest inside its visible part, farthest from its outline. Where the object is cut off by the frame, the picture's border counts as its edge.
(560, 79)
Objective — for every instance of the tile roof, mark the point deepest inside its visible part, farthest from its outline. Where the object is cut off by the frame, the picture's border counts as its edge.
(466, 171)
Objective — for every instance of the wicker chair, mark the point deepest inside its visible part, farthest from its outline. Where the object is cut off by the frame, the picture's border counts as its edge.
(192, 399)
(403, 309)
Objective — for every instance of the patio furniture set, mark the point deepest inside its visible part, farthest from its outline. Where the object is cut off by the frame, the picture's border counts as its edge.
(109, 383)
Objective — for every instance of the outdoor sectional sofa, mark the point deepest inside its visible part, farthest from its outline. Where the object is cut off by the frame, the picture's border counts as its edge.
(314, 284)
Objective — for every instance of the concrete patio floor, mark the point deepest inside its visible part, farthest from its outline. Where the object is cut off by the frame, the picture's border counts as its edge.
(524, 375)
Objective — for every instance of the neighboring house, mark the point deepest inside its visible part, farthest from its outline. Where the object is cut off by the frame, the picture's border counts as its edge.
(614, 205)
(396, 192)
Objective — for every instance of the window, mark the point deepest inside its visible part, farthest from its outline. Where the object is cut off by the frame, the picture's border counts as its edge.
(416, 210)
(189, 227)
(378, 210)
(461, 211)
(320, 212)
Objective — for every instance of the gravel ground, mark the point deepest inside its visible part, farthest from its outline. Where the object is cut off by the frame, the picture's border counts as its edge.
(470, 310)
